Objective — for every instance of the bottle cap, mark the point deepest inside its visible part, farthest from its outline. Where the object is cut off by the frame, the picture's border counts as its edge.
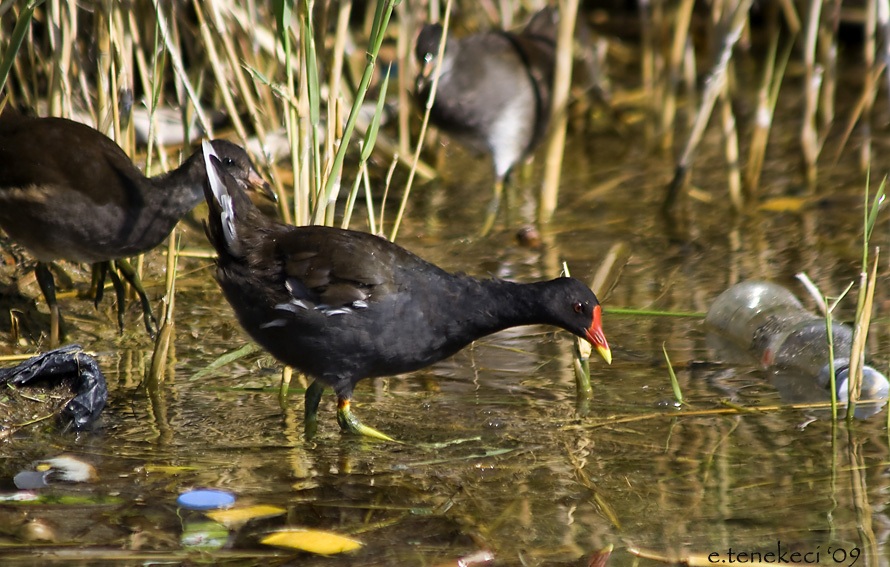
(874, 385)
(205, 499)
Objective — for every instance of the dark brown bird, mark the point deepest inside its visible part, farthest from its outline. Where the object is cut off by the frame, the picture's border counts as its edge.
(494, 90)
(68, 192)
(341, 305)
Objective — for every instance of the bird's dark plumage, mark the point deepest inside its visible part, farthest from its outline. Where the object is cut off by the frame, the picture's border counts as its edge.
(68, 192)
(342, 305)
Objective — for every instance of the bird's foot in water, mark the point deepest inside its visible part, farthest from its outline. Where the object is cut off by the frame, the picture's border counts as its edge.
(350, 423)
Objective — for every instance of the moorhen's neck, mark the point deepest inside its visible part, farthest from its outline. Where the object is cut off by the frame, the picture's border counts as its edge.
(180, 190)
(496, 305)
(157, 205)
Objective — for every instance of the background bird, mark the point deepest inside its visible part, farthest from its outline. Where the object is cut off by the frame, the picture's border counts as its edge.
(68, 192)
(494, 90)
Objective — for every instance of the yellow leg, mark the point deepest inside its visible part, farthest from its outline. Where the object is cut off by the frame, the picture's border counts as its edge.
(350, 423)
(493, 207)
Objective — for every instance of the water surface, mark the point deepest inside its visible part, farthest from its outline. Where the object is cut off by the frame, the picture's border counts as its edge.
(498, 455)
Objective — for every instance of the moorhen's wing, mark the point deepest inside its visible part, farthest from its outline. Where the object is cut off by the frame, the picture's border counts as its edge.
(67, 191)
(66, 160)
(538, 55)
(335, 271)
(478, 80)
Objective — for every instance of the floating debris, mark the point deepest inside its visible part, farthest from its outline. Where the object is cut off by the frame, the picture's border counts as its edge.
(313, 541)
(66, 363)
(205, 499)
(236, 517)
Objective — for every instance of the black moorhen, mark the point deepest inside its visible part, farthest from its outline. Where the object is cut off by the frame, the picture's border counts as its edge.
(69, 192)
(341, 305)
(494, 90)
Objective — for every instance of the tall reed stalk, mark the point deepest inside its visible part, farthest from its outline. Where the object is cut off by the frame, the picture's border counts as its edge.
(767, 97)
(809, 137)
(446, 19)
(679, 43)
(562, 81)
(331, 185)
(716, 83)
(865, 302)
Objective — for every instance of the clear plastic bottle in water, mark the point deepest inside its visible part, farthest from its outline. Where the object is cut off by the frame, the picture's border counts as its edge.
(767, 321)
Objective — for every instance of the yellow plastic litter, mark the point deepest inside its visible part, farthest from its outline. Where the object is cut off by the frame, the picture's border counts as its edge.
(234, 517)
(313, 541)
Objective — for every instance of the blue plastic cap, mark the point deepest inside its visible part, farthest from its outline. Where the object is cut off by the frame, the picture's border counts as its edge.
(205, 499)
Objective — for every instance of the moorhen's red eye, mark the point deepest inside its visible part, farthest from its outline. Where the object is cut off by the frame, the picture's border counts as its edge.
(577, 307)
(228, 161)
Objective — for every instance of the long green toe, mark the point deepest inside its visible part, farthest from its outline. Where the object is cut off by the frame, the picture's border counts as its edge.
(350, 423)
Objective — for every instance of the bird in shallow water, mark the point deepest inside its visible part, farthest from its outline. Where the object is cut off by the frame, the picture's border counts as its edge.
(494, 91)
(68, 192)
(341, 305)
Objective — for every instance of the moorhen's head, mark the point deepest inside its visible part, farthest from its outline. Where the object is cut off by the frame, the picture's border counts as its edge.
(425, 50)
(575, 308)
(544, 24)
(236, 162)
(427, 45)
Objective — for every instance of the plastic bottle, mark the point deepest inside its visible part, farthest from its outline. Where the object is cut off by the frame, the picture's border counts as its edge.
(767, 321)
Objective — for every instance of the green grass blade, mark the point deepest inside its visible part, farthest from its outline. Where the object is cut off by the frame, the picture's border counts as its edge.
(15, 42)
(371, 134)
(226, 359)
(675, 385)
(311, 62)
(874, 210)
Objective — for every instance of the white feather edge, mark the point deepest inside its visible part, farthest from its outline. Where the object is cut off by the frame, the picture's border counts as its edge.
(221, 194)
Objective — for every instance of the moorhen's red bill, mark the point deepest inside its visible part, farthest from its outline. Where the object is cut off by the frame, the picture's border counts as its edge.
(68, 192)
(494, 90)
(341, 305)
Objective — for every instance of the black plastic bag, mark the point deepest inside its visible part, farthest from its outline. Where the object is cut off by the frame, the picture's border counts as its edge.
(71, 363)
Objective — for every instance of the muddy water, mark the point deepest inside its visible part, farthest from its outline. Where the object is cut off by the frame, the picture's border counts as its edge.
(498, 455)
